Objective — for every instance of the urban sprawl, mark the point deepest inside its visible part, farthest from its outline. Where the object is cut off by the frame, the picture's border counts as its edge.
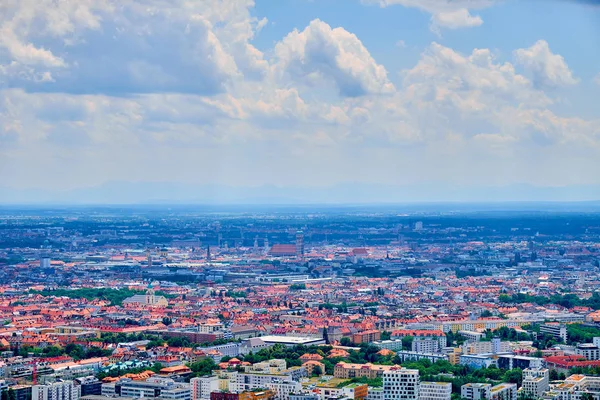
(292, 304)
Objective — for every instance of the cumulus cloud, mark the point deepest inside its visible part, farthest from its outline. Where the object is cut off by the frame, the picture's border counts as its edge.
(141, 46)
(468, 83)
(548, 70)
(319, 54)
(460, 18)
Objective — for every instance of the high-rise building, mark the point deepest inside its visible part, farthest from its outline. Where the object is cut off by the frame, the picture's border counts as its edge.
(300, 245)
(203, 386)
(401, 384)
(61, 390)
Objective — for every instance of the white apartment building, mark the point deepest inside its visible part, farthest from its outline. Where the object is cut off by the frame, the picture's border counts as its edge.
(401, 384)
(575, 386)
(64, 390)
(375, 393)
(504, 391)
(588, 350)
(475, 391)
(426, 345)
(435, 391)
(536, 381)
(556, 330)
(203, 386)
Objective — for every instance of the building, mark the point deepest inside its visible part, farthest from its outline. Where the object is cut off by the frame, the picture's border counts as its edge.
(62, 390)
(555, 329)
(470, 335)
(393, 345)
(89, 385)
(536, 381)
(375, 393)
(165, 388)
(366, 336)
(565, 363)
(22, 392)
(148, 299)
(347, 370)
(415, 355)
(424, 341)
(202, 387)
(435, 391)
(475, 391)
(291, 341)
(477, 360)
(300, 245)
(401, 383)
(256, 395)
(504, 391)
(578, 387)
(510, 361)
(494, 346)
(588, 350)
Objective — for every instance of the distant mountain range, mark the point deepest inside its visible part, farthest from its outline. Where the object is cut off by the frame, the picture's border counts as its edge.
(347, 193)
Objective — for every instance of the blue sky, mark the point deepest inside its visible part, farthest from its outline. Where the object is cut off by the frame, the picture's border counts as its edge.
(471, 93)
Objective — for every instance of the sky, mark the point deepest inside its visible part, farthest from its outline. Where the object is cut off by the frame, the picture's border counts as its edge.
(299, 93)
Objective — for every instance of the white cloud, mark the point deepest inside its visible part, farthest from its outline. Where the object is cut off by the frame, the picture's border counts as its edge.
(451, 14)
(597, 79)
(547, 69)
(319, 54)
(146, 45)
(200, 96)
(460, 18)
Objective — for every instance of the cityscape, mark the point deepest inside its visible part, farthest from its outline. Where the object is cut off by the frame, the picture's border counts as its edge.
(299, 200)
(295, 304)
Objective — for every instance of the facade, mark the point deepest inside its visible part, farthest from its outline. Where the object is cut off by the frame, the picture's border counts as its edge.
(588, 350)
(536, 381)
(424, 341)
(414, 355)
(89, 385)
(435, 391)
(203, 386)
(475, 391)
(348, 371)
(165, 388)
(557, 330)
(504, 391)
(56, 391)
(401, 384)
(148, 299)
(393, 345)
(366, 337)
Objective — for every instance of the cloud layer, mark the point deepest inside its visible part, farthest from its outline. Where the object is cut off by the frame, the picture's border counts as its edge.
(96, 91)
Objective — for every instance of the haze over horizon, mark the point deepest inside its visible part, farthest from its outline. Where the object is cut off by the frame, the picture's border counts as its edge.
(332, 101)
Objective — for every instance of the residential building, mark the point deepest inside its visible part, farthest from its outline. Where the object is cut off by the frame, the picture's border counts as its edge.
(401, 384)
(588, 350)
(475, 391)
(62, 390)
(535, 381)
(435, 391)
(555, 329)
(203, 386)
